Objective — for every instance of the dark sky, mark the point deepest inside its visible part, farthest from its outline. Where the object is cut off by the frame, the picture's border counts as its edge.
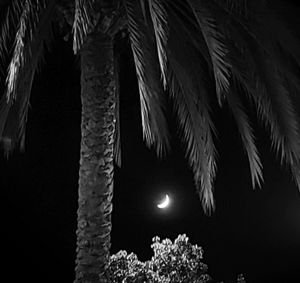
(252, 232)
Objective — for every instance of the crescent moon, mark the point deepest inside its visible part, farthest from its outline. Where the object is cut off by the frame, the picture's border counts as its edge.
(165, 203)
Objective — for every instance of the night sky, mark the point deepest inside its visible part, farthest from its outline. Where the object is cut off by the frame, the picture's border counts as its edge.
(256, 233)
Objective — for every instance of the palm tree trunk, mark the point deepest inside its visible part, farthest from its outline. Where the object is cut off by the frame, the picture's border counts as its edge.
(96, 158)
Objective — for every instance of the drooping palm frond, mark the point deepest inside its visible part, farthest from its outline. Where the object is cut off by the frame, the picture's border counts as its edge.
(274, 31)
(189, 93)
(257, 55)
(292, 84)
(289, 71)
(196, 136)
(295, 169)
(275, 103)
(34, 29)
(282, 61)
(216, 47)
(147, 69)
(247, 136)
(278, 116)
(235, 7)
(231, 22)
(27, 23)
(181, 17)
(9, 27)
(258, 66)
(83, 21)
(160, 26)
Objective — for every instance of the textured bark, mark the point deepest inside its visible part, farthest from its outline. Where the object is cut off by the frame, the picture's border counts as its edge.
(96, 158)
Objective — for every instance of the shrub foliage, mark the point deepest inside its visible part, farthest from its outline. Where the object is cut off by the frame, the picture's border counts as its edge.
(172, 262)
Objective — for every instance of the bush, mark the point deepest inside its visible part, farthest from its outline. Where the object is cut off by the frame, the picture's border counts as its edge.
(178, 262)
(172, 262)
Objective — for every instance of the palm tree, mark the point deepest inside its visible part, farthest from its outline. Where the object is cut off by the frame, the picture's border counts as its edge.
(234, 53)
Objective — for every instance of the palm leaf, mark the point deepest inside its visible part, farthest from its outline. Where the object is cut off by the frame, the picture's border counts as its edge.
(263, 67)
(232, 22)
(247, 136)
(147, 68)
(27, 23)
(160, 26)
(272, 29)
(181, 18)
(216, 48)
(9, 27)
(197, 137)
(273, 102)
(190, 96)
(239, 8)
(83, 21)
(281, 116)
(34, 30)
(295, 168)
(263, 76)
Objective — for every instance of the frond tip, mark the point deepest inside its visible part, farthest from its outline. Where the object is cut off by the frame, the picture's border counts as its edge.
(160, 26)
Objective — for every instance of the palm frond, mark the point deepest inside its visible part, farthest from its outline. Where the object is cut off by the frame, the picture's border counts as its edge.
(197, 137)
(275, 42)
(275, 109)
(236, 7)
(257, 67)
(9, 27)
(289, 71)
(159, 20)
(232, 23)
(247, 137)
(279, 109)
(143, 7)
(274, 30)
(83, 21)
(180, 17)
(27, 24)
(216, 48)
(34, 30)
(295, 168)
(147, 68)
(189, 93)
